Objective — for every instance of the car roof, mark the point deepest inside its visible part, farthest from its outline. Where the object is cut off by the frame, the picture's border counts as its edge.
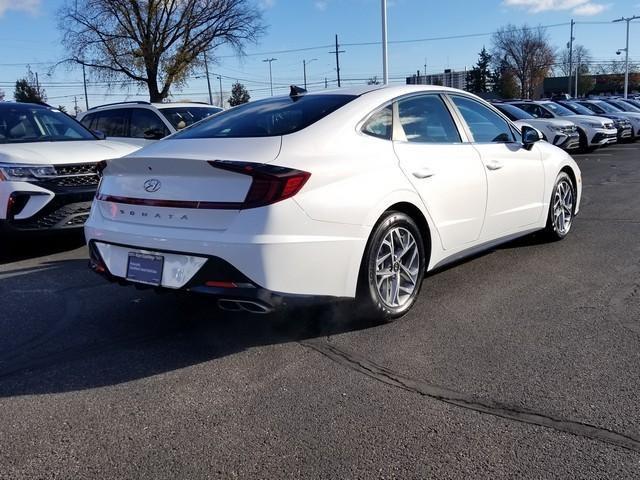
(160, 106)
(25, 104)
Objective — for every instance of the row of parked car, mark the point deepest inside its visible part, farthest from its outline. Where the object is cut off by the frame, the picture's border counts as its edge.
(578, 124)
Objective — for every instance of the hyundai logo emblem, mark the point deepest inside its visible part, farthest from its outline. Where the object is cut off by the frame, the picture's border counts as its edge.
(152, 185)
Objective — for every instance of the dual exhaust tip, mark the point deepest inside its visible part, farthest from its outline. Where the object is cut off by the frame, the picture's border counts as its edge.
(232, 305)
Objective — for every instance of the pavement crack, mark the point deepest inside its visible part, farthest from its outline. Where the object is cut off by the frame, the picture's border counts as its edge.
(388, 377)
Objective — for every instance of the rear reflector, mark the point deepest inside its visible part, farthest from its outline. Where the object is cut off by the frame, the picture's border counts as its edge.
(221, 284)
(270, 183)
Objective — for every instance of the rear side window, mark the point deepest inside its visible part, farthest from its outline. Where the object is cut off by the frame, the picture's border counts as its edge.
(426, 119)
(380, 124)
(267, 118)
(486, 125)
(113, 123)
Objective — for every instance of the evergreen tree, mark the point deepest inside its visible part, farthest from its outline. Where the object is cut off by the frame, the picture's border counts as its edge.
(479, 77)
(28, 91)
(239, 95)
(504, 80)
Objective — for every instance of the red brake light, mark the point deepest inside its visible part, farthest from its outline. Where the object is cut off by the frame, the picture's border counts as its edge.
(270, 183)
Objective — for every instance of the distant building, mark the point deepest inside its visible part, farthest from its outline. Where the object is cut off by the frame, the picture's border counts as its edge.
(448, 78)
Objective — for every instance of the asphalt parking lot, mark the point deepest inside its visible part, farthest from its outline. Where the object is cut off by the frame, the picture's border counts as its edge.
(519, 363)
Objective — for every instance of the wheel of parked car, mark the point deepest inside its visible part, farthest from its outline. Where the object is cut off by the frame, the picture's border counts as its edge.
(561, 208)
(393, 267)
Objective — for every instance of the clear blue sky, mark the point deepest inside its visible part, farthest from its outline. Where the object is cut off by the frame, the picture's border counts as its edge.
(29, 35)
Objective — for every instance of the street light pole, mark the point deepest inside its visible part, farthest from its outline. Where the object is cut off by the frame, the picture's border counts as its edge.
(626, 52)
(270, 75)
(221, 102)
(304, 69)
(571, 56)
(385, 58)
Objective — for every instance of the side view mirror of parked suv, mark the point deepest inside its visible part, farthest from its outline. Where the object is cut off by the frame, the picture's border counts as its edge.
(529, 137)
(154, 134)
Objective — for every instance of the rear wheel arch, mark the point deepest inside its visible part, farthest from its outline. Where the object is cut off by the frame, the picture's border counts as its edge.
(417, 216)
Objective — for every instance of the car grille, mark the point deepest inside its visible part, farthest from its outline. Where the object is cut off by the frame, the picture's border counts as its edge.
(78, 175)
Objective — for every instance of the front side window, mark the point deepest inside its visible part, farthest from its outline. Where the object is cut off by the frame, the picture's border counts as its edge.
(486, 126)
(146, 124)
(426, 119)
(267, 118)
(113, 123)
(28, 123)
(380, 124)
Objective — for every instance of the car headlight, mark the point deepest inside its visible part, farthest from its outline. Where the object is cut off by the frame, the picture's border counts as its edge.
(17, 172)
(595, 124)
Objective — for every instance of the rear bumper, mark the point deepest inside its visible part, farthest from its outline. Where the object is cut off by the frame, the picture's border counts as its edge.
(277, 248)
(216, 278)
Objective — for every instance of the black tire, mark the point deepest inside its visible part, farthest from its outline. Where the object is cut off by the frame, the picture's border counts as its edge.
(552, 231)
(584, 143)
(369, 299)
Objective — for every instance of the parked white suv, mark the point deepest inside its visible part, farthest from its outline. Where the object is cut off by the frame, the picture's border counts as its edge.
(594, 131)
(141, 123)
(559, 132)
(48, 168)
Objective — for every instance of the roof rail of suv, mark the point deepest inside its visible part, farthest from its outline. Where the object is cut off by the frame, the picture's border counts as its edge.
(135, 102)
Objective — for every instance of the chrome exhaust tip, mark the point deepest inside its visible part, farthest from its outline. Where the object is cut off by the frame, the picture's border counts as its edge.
(233, 305)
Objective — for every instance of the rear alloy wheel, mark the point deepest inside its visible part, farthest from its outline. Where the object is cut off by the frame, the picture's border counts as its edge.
(561, 208)
(393, 267)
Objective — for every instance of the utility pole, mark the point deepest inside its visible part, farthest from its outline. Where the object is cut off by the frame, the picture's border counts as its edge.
(571, 55)
(337, 52)
(304, 69)
(626, 52)
(325, 82)
(75, 105)
(577, 73)
(385, 58)
(221, 102)
(206, 71)
(270, 75)
(84, 81)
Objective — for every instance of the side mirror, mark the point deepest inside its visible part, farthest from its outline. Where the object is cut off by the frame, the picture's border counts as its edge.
(99, 134)
(529, 137)
(154, 134)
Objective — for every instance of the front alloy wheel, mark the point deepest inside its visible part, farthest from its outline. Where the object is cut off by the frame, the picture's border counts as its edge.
(393, 267)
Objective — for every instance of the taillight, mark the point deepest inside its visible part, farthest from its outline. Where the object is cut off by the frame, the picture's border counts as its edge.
(270, 183)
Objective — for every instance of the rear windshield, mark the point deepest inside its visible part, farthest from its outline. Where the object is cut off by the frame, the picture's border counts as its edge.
(32, 123)
(267, 118)
(182, 117)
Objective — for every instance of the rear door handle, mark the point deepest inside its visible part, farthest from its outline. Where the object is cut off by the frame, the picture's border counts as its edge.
(423, 173)
(495, 165)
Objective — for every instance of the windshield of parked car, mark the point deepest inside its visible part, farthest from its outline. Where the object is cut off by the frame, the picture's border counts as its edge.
(514, 113)
(24, 123)
(559, 109)
(624, 106)
(267, 118)
(577, 108)
(606, 107)
(182, 117)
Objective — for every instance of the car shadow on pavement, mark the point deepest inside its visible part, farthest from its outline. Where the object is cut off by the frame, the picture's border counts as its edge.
(64, 329)
(39, 245)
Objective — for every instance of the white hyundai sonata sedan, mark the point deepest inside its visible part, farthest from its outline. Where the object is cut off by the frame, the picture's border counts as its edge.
(343, 194)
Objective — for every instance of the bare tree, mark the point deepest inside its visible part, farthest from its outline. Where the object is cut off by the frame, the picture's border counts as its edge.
(581, 57)
(154, 43)
(528, 54)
